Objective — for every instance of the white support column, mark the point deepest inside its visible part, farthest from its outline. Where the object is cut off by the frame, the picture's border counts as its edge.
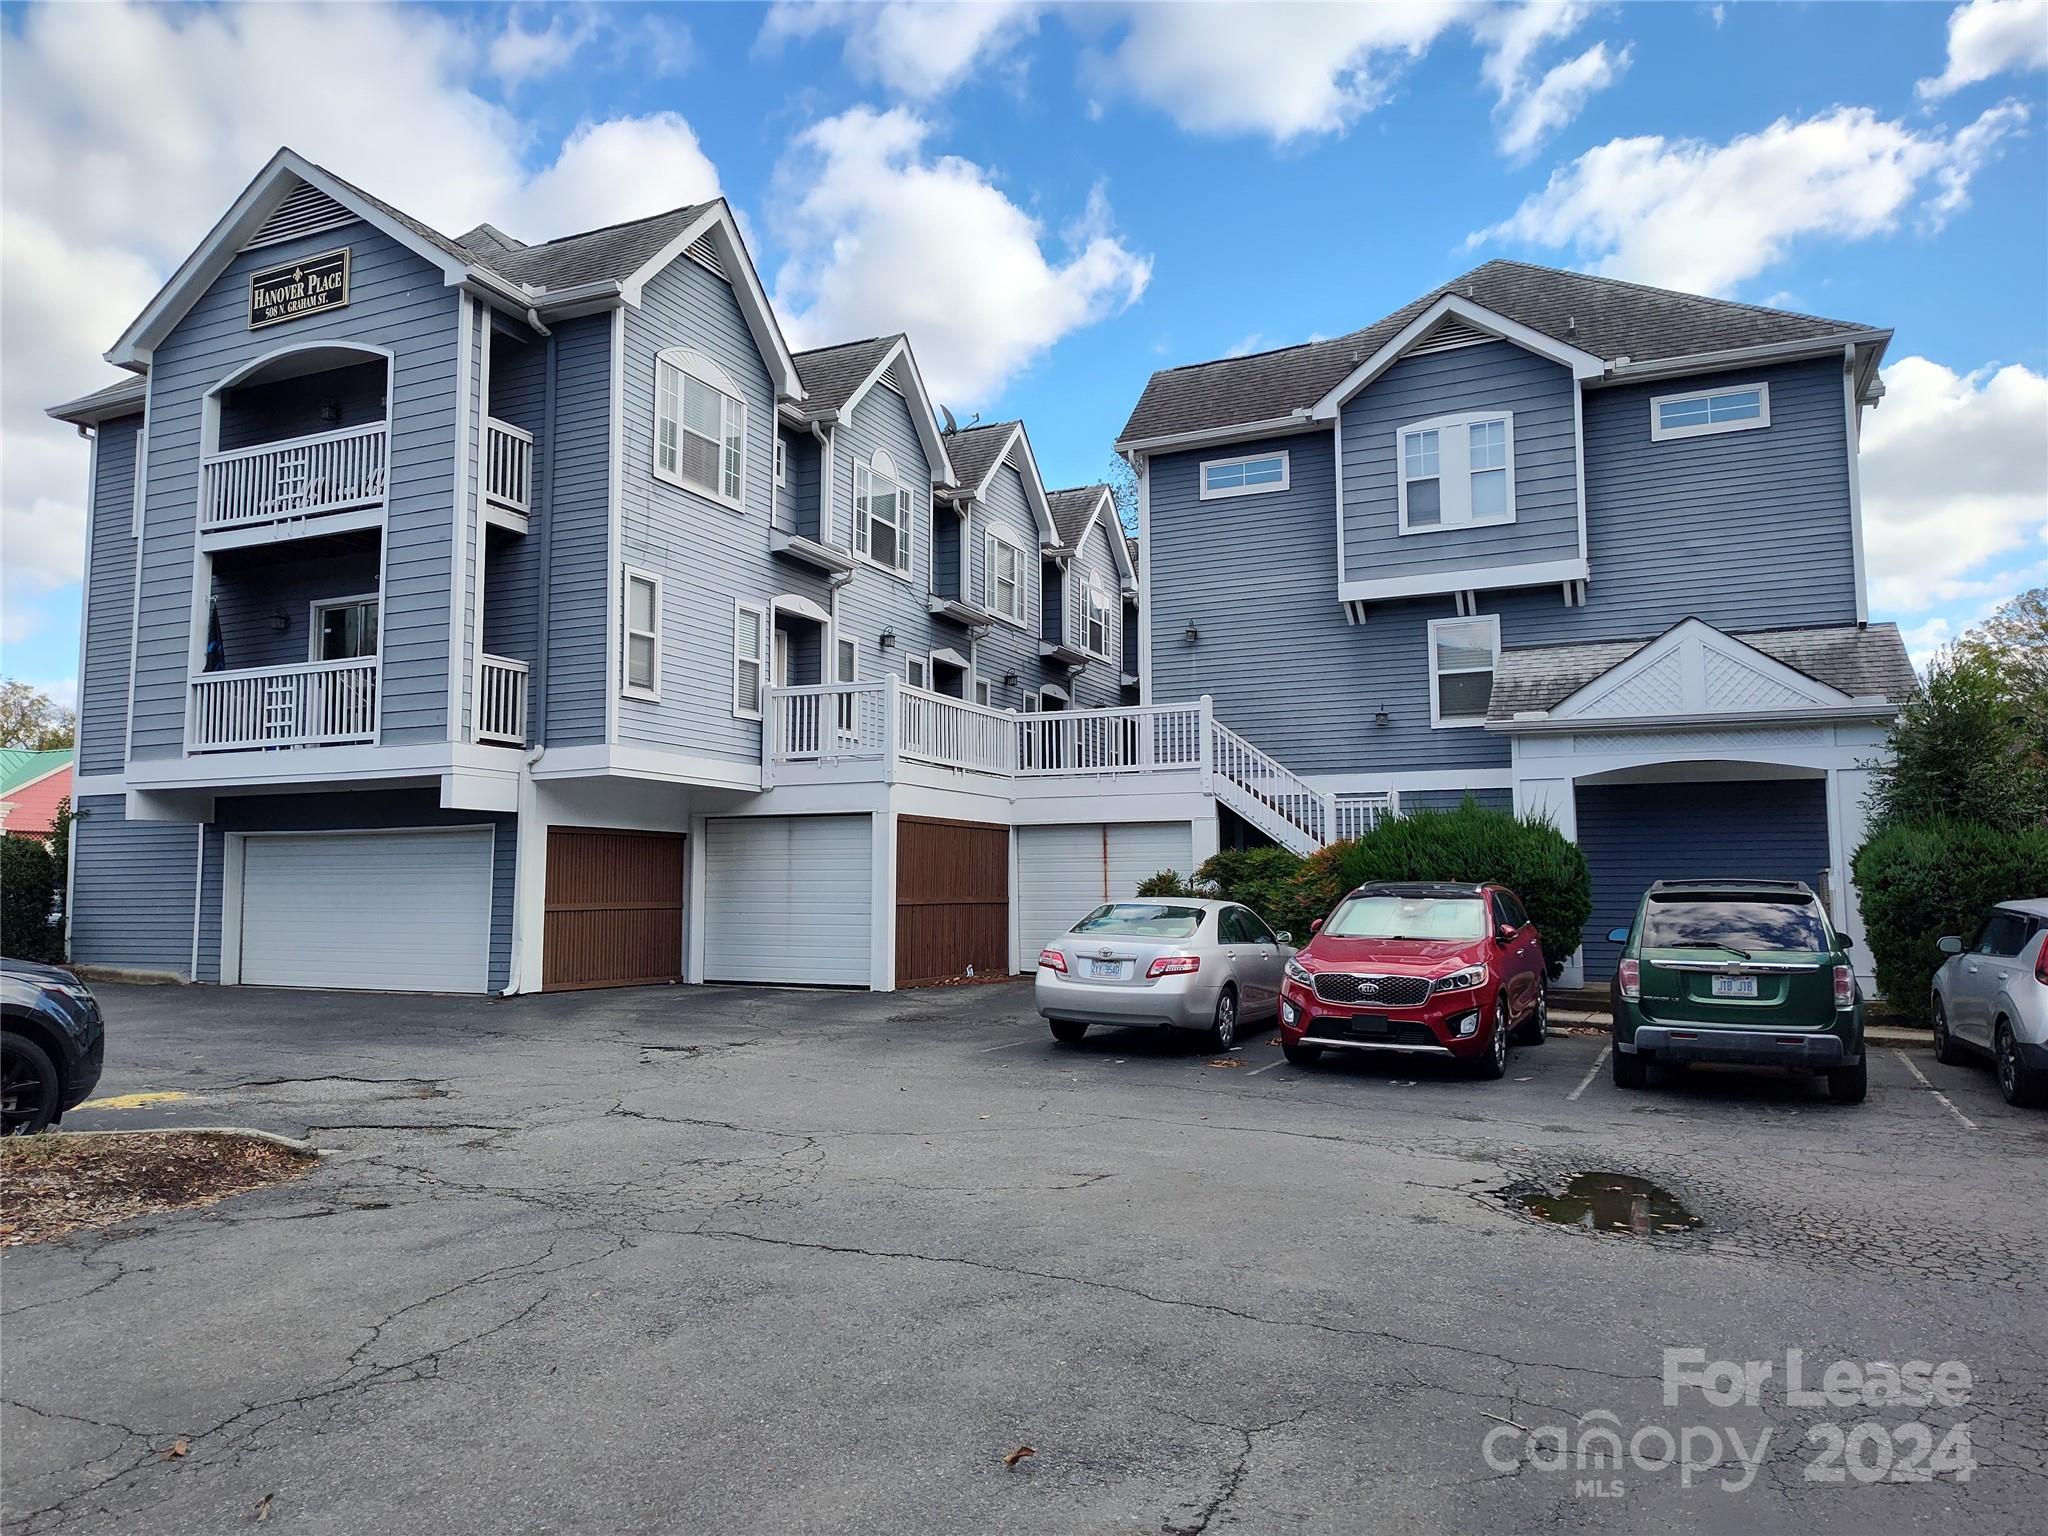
(694, 889)
(882, 962)
(1848, 824)
(529, 889)
(1208, 838)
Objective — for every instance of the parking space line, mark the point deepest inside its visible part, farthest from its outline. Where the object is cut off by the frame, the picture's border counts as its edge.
(1591, 1073)
(1269, 1066)
(1921, 1078)
(1008, 1045)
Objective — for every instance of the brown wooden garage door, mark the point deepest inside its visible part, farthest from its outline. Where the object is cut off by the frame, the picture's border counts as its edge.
(952, 900)
(614, 909)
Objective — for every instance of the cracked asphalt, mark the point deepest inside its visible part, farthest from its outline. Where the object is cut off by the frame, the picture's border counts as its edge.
(741, 1260)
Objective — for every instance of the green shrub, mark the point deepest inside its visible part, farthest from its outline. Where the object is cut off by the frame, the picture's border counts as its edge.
(1263, 879)
(1527, 855)
(1166, 883)
(1921, 880)
(29, 882)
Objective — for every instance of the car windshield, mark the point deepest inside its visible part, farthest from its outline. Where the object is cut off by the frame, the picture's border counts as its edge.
(1457, 918)
(1142, 920)
(1738, 923)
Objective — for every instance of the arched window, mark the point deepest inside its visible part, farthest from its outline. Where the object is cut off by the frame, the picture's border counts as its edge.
(881, 513)
(700, 427)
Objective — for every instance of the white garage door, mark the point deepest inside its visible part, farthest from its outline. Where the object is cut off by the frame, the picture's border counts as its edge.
(1064, 872)
(378, 911)
(789, 899)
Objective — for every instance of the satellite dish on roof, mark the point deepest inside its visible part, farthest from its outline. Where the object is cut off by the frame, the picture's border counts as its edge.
(951, 424)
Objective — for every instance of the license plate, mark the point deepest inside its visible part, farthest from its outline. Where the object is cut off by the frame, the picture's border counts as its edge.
(1110, 968)
(1735, 986)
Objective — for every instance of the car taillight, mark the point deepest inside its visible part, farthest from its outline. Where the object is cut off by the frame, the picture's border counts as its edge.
(1174, 965)
(1054, 959)
(1631, 978)
(1845, 987)
(2041, 964)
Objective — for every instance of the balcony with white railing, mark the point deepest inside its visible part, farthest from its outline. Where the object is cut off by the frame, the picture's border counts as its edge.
(313, 704)
(501, 701)
(295, 478)
(508, 466)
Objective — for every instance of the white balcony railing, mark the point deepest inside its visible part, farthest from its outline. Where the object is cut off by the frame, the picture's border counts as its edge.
(298, 477)
(315, 704)
(826, 724)
(501, 701)
(508, 464)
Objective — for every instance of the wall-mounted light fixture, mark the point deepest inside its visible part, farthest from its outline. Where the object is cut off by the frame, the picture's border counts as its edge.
(1011, 679)
(1383, 718)
(281, 622)
(1191, 634)
(888, 638)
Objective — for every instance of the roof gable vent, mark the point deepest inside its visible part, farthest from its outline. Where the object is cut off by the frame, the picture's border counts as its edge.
(306, 210)
(1448, 333)
(705, 254)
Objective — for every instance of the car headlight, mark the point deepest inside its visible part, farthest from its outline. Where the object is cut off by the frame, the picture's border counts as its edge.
(1460, 981)
(1296, 971)
(77, 991)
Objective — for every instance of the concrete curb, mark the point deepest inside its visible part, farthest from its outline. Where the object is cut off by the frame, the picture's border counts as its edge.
(275, 1138)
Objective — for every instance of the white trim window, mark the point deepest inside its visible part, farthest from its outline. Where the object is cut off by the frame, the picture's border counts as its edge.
(781, 462)
(1094, 607)
(1709, 412)
(984, 692)
(881, 514)
(700, 427)
(1002, 576)
(1253, 475)
(640, 616)
(1457, 472)
(1462, 656)
(342, 628)
(749, 658)
(917, 672)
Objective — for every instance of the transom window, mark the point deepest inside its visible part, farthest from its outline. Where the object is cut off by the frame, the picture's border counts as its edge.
(344, 628)
(1003, 578)
(642, 613)
(700, 426)
(749, 658)
(1457, 472)
(1244, 477)
(881, 514)
(1462, 655)
(1711, 411)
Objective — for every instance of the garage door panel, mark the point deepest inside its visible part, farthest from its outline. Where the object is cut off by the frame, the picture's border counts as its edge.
(789, 899)
(952, 899)
(614, 908)
(1065, 872)
(390, 911)
(1632, 834)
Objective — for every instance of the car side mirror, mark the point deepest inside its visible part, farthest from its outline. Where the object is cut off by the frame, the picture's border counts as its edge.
(1506, 933)
(1617, 935)
(1845, 941)
(1283, 937)
(1315, 926)
(1950, 945)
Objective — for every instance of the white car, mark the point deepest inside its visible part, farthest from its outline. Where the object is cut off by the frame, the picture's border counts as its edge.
(1991, 998)
(1168, 962)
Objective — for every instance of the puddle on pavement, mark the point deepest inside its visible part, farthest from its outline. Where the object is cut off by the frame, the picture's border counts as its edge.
(1610, 1202)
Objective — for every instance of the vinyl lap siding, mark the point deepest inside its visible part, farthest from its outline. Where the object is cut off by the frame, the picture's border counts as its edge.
(110, 600)
(877, 599)
(1006, 648)
(511, 560)
(1099, 685)
(578, 574)
(254, 588)
(1493, 376)
(132, 890)
(397, 301)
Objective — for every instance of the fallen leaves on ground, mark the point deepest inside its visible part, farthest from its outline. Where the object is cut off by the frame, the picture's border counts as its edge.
(176, 1449)
(57, 1183)
(1226, 1061)
(1018, 1455)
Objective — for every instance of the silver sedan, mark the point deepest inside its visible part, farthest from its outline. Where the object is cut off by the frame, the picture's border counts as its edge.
(1169, 962)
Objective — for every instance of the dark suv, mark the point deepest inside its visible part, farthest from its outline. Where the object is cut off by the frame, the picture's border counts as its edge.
(1743, 971)
(52, 1044)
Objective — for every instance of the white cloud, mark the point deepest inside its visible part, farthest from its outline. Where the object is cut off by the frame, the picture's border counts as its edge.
(1955, 480)
(125, 130)
(1554, 101)
(1991, 37)
(885, 237)
(915, 49)
(518, 54)
(1704, 217)
(1531, 107)
(1284, 69)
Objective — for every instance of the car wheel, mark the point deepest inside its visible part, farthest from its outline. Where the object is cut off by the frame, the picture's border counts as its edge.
(1494, 1064)
(1223, 1028)
(1848, 1085)
(1536, 1028)
(1301, 1055)
(1946, 1050)
(2022, 1086)
(1067, 1031)
(1630, 1071)
(30, 1087)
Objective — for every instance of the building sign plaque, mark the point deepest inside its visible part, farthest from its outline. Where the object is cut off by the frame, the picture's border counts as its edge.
(302, 288)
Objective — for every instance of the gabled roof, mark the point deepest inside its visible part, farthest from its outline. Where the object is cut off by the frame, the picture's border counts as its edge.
(124, 397)
(1074, 513)
(20, 767)
(1858, 663)
(1602, 316)
(837, 378)
(978, 452)
(611, 254)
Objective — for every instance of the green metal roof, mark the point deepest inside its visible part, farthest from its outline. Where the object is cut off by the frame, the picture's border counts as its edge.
(18, 765)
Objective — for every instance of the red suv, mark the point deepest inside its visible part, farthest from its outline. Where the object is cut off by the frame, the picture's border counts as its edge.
(1430, 970)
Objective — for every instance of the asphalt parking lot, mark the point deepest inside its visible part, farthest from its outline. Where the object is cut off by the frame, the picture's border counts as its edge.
(756, 1261)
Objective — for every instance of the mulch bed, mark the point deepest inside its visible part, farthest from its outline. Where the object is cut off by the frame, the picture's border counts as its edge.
(56, 1184)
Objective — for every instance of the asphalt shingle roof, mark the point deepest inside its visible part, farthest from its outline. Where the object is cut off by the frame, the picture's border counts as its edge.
(1070, 509)
(830, 375)
(974, 450)
(117, 399)
(1600, 315)
(1863, 663)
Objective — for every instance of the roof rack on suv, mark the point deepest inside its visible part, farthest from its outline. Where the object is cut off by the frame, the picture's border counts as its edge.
(1731, 883)
(1418, 888)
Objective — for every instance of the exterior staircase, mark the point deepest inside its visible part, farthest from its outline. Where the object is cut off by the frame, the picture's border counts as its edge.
(1268, 794)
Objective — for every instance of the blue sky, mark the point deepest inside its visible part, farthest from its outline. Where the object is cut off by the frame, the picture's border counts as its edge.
(1057, 200)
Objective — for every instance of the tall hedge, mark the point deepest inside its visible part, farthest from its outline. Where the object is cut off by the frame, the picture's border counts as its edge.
(29, 882)
(1263, 879)
(1924, 879)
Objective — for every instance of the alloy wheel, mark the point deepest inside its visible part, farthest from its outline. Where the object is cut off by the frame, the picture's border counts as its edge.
(1226, 1021)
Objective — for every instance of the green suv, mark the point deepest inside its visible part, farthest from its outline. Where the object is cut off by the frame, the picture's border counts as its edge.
(1741, 971)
